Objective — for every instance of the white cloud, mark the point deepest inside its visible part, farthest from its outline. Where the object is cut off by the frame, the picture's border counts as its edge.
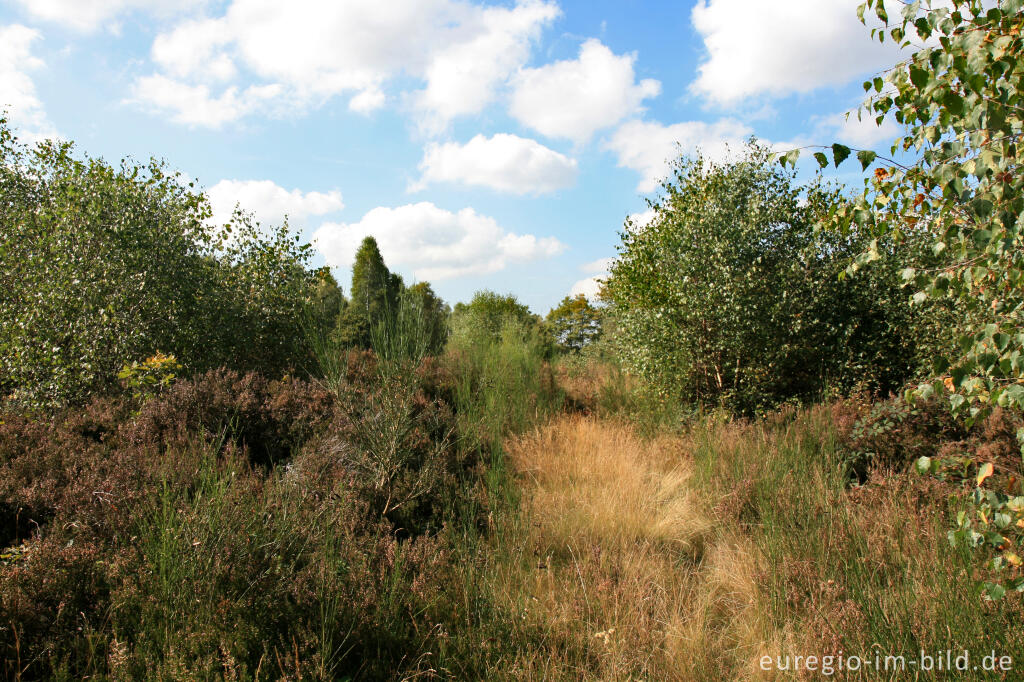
(863, 133)
(196, 105)
(642, 219)
(648, 147)
(590, 286)
(369, 100)
(88, 15)
(575, 98)
(461, 79)
(317, 49)
(17, 90)
(756, 47)
(433, 243)
(507, 163)
(195, 48)
(598, 266)
(270, 202)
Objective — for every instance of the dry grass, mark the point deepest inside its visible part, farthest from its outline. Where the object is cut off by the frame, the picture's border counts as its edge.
(621, 572)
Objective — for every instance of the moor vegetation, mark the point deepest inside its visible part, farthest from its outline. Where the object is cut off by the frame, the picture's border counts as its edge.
(792, 425)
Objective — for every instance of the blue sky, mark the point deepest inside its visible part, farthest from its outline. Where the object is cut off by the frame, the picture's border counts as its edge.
(485, 145)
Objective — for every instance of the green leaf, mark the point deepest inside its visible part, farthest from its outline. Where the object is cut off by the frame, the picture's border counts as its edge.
(954, 103)
(919, 77)
(840, 153)
(866, 158)
(923, 465)
(821, 159)
(994, 591)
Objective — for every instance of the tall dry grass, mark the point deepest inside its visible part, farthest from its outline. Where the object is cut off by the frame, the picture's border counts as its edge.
(691, 554)
(620, 571)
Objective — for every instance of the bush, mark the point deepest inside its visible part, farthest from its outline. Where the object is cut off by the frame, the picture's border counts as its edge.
(268, 419)
(730, 297)
(103, 266)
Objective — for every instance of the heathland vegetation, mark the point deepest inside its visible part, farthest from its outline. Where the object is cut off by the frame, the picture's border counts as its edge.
(792, 425)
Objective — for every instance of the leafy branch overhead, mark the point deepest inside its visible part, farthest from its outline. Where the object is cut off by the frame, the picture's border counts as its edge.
(959, 100)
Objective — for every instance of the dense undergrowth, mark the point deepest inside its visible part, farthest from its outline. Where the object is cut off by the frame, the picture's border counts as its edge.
(395, 526)
(239, 528)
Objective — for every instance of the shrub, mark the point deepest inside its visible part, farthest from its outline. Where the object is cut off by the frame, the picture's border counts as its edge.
(102, 266)
(729, 296)
(396, 445)
(268, 418)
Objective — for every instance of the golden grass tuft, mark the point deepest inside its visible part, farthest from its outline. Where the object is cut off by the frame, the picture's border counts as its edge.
(622, 572)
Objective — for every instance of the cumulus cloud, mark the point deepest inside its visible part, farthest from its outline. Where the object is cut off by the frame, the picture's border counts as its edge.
(317, 49)
(195, 48)
(599, 265)
(270, 202)
(863, 133)
(196, 105)
(368, 100)
(775, 48)
(591, 286)
(643, 218)
(88, 15)
(17, 90)
(575, 98)
(648, 147)
(434, 243)
(506, 163)
(462, 78)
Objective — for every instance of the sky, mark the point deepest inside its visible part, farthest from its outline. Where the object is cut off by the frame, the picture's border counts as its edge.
(484, 145)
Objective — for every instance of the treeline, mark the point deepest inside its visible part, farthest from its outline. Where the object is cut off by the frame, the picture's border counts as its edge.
(103, 267)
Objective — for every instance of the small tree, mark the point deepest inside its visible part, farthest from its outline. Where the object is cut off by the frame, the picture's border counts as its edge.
(574, 323)
(375, 293)
(493, 311)
(433, 313)
(729, 296)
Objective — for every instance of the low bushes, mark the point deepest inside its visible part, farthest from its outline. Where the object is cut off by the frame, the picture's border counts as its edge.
(229, 525)
(268, 418)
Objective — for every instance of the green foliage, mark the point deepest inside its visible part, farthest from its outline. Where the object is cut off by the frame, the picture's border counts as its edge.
(432, 313)
(959, 100)
(327, 305)
(101, 266)
(492, 311)
(990, 525)
(729, 296)
(503, 383)
(375, 293)
(574, 323)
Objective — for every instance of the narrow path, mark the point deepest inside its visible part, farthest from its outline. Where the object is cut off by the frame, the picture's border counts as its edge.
(618, 571)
